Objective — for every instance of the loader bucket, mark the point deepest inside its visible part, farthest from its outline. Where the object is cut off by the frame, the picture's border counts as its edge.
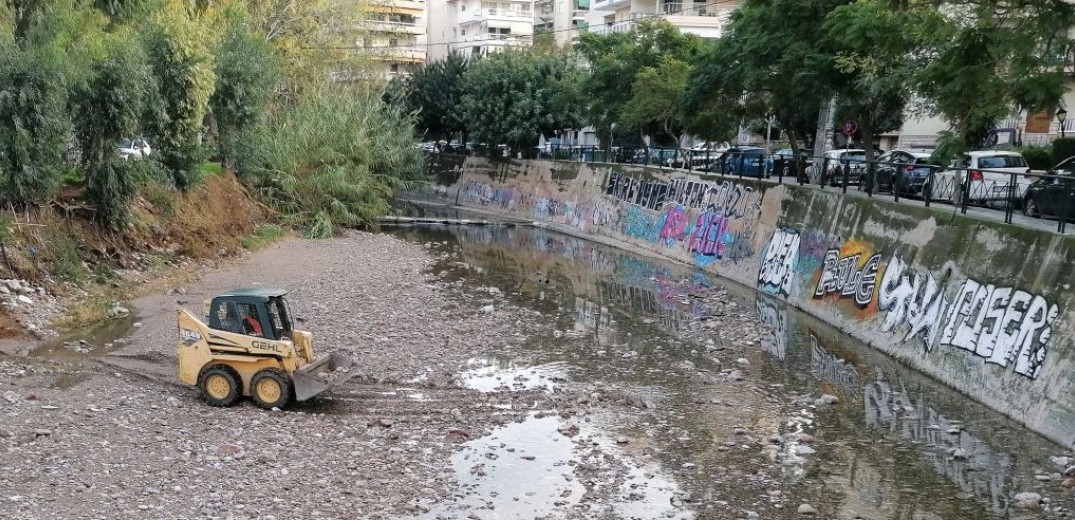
(322, 374)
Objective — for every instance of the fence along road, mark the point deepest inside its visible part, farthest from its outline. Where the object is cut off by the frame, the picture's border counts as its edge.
(995, 195)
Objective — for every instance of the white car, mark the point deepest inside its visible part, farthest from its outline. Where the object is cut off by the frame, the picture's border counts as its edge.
(836, 159)
(134, 149)
(989, 174)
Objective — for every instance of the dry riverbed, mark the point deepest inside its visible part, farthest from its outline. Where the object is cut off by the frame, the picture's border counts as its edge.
(101, 429)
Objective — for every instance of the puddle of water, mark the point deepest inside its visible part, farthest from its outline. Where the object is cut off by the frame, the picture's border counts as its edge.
(883, 452)
(96, 340)
(527, 470)
(500, 373)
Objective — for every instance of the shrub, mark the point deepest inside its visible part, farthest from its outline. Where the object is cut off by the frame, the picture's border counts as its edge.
(34, 124)
(1037, 157)
(335, 158)
(1062, 149)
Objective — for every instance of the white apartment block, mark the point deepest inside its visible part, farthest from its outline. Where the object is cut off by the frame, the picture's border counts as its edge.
(565, 20)
(395, 38)
(705, 18)
(478, 27)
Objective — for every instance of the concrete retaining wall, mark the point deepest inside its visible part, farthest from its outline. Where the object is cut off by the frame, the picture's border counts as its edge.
(983, 307)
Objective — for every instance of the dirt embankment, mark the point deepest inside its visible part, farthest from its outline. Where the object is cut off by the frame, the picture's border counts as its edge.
(66, 271)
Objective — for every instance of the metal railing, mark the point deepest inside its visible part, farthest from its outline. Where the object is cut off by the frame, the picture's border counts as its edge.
(1034, 194)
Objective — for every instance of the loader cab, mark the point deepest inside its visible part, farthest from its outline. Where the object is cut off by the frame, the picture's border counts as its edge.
(262, 313)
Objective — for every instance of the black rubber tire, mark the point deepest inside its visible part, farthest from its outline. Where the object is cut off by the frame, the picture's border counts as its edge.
(282, 398)
(1030, 208)
(222, 400)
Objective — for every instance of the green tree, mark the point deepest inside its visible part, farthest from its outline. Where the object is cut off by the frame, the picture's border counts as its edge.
(655, 104)
(246, 73)
(616, 59)
(515, 96)
(183, 76)
(109, 107)
(313, 39)
(435, 94)
(990, 58)
(33, 126)
(874, 43)
(772, 61)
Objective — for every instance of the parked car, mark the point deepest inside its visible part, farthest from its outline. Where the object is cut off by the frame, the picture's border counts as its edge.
(988, 174)
(134, 149)
(748, 161)
(1052, 196)
(782, 161)
(834, 161)
(910, 167)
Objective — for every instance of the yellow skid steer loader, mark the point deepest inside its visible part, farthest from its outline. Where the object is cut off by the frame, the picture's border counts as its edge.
(249, 348)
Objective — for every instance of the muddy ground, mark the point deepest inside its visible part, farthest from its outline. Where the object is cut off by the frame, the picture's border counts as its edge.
(101, 429)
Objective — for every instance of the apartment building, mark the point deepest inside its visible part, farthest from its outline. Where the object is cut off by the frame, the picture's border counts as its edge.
(478, 27)
(705, 18)
(395, 36)
(564, 20)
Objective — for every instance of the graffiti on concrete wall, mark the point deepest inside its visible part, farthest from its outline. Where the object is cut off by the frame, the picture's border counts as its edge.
(849, 275)
(724, 228)
(648, 194)
(727, 198)
(486, 195)
(1003, 325)
(675, 224)
(709, 237)
(777, 272)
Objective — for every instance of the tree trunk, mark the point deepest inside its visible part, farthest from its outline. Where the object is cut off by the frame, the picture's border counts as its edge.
(793, 140)
(7, 261)
(866, 127)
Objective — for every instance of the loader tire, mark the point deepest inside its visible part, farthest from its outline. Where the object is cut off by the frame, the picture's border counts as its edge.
(271, 388)
(220, 386)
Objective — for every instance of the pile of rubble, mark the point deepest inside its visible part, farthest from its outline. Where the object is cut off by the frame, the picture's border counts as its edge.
(31, 305)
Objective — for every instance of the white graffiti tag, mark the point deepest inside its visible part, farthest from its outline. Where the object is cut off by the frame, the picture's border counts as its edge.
(844, 277)
(778, 263)
(1003, 325)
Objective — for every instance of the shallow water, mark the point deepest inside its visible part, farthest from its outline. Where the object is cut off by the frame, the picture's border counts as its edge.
(897, 445)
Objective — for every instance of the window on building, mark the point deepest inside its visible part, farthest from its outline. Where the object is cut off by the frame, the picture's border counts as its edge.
(394, 68)
(393, 42)
(476, 50)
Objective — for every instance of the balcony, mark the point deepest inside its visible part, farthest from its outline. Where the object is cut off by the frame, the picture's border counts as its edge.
(502, 15)
(398, 6)
(609, 5)
(403, 54)
(611, 28)
(707, 21)
(396, 27)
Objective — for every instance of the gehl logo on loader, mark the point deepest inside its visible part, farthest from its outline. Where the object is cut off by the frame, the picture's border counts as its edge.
(265, 345)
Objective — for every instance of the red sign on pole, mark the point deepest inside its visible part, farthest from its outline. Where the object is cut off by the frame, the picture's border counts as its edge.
(850, 127)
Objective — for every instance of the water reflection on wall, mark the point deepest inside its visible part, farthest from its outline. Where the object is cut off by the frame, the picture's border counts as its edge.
(899, 407)
(611, 285)
(985, 472)
(647, 291)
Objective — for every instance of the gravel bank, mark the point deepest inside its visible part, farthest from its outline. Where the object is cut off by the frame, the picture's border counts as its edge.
(117, 437)
(103, 429)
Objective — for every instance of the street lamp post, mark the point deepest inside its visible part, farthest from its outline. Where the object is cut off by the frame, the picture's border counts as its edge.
(1061, 115)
